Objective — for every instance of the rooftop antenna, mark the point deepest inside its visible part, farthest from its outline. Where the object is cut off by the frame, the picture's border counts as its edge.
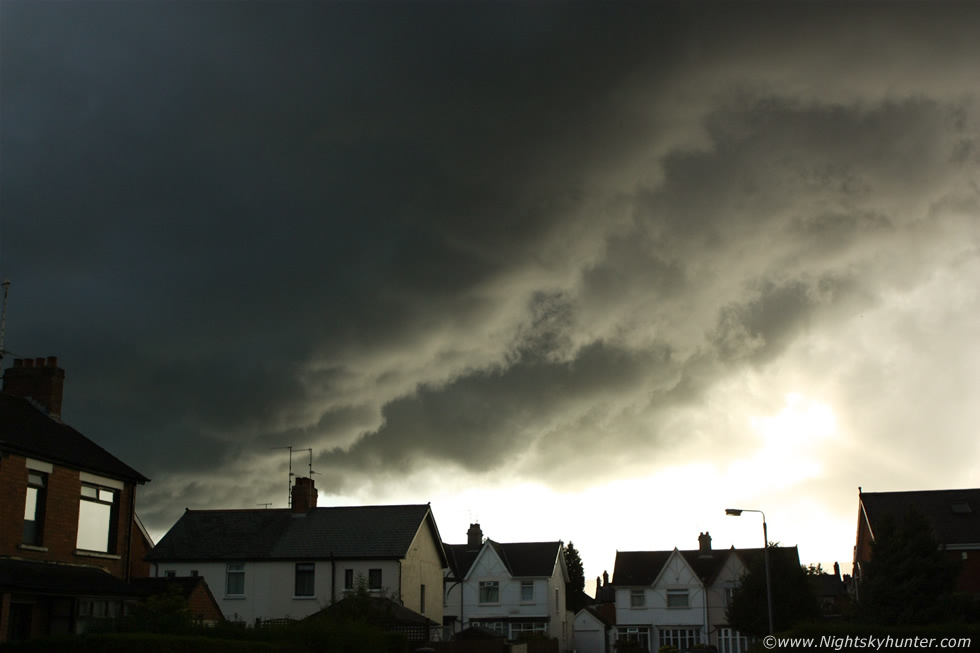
(311, 462)
(3, 318)
(289, 479)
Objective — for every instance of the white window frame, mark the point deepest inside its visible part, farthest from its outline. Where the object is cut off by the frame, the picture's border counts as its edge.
(306, 568)
(680, 636)
(489, 592)
(678, 598)
(638, 598)
(238, 570)
(527, 592)
(103, 497)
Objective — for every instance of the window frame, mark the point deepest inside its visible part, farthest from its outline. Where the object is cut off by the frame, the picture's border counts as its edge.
(638, 598)
(527, 585)
(239, 575)
(304, 573)
(85, 498)
(348, 580)
(489, 592)
(33, 531)
(678, 598)
(375, 580)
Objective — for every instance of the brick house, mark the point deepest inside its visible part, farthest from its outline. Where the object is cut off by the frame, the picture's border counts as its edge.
(69, 537)
(953, 516)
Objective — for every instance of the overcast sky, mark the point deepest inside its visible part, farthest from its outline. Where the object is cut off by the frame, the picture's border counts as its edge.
(579, 271)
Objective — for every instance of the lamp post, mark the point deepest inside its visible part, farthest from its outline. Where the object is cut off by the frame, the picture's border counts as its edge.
(735, 512)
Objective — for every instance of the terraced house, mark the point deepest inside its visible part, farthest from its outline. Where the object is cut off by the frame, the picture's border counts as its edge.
(289, 563)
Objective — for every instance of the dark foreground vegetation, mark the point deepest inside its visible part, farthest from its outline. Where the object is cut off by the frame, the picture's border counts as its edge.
(295, 638)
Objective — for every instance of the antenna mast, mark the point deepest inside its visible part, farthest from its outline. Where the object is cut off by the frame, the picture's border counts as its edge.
(289, 479)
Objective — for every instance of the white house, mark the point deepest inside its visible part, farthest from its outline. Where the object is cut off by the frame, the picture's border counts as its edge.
(289, 563)
(679, 597)
(509, 588)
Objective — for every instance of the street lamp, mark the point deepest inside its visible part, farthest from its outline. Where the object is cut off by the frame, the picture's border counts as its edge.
(735, 512)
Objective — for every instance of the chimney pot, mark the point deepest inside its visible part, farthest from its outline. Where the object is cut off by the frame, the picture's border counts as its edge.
(32, 379)
(704, 543)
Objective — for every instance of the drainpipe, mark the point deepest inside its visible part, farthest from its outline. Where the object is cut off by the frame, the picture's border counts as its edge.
(129, 539)
(333, 578)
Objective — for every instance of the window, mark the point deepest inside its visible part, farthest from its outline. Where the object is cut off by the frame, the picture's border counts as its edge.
(489, 591)
(680, 637)
(235, 579)
(348, 579)
(97, 518)
(422, 599)
(732, 641)
(499, 627)
(517, 630)
(638, 598)
(170, 573)
(677, 599)
(729, 593)
(635, 634)
(374, 579)
(305, 577)
(37, 483)
(527, 591)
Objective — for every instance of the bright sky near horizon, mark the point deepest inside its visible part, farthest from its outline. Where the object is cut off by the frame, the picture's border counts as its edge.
(575, 270)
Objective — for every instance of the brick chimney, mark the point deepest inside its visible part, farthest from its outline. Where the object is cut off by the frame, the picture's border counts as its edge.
(474, 538)
(304, 495)
(704, 544)
(37, 379)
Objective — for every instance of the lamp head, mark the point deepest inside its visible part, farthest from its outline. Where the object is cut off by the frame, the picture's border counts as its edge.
(733, 512)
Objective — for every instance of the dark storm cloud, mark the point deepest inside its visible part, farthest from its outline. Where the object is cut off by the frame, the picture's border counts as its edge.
(463, 234)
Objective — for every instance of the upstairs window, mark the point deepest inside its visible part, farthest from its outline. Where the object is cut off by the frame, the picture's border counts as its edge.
(97, 511)
(348, 579)
(677, 598)
(527, 591)
(305, 577)
(235, 579)
(489, 591)
(374, 579)
(638, 598)
(37, 483)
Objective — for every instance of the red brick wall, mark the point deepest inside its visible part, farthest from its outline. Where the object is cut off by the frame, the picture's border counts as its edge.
(202, 605)
(60, 517)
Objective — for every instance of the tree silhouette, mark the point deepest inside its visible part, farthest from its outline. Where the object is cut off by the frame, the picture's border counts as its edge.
(793, 600)
(576, 572)
(909, 579)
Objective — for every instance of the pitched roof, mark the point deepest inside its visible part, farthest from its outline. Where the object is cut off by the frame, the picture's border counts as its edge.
(953, 514)
(641, 568)
(522, 559)
(351, 532)
(28, 431)
(60, 579)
